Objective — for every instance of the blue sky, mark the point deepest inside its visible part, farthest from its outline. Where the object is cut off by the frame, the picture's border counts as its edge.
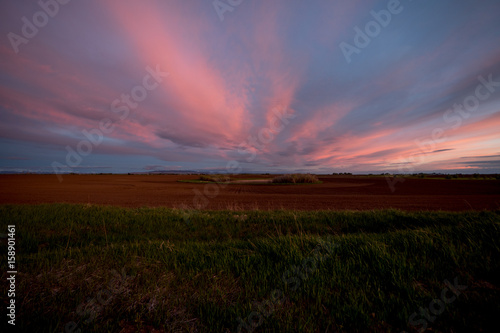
(281, 86)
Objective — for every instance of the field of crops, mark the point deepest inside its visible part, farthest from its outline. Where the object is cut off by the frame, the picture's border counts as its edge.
(103, 268)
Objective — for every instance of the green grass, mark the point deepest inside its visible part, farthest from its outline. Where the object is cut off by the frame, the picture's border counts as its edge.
(280, 180)
(296, 178)
(195, 181)
(215, 178)
(343, 271)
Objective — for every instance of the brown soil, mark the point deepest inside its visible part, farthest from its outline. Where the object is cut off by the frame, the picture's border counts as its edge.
(336, 192)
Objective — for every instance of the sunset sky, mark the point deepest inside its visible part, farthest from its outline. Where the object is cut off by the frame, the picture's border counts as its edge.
(277, 86)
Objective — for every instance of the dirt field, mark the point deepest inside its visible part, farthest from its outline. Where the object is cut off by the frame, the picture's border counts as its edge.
(336, 192)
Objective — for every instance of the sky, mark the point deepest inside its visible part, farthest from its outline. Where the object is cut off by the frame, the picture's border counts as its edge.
(250, 86)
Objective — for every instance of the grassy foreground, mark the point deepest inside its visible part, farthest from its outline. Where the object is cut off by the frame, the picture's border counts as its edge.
(113, 269)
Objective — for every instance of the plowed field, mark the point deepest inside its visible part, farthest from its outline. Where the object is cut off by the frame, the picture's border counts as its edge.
(335, 192)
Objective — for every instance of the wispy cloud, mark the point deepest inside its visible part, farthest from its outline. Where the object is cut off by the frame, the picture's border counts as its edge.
(226, 78)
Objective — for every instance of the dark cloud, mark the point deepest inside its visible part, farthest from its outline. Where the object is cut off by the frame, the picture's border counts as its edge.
(488, 164)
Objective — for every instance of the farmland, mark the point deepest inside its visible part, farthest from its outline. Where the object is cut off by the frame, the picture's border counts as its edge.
(334, 193)
(117, 253)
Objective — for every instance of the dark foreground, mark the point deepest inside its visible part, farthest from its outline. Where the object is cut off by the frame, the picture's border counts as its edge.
(116, 269)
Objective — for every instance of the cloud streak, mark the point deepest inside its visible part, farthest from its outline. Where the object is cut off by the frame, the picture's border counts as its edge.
(227, 78)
